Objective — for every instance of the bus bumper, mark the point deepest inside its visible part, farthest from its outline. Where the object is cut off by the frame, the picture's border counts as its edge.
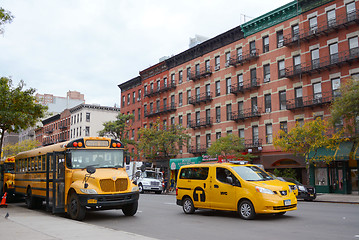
(108, 201)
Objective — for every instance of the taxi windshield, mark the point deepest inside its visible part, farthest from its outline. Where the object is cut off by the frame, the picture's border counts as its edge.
(107, 158)
(252, 173)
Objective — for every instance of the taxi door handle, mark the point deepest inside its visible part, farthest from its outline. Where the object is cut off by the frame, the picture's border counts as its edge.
(216, 186)
(204, 185)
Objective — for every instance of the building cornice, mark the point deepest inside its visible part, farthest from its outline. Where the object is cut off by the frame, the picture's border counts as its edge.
(91, 106)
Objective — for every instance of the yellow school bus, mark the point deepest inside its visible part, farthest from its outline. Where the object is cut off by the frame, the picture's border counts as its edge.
(7, 177)
(77, 176)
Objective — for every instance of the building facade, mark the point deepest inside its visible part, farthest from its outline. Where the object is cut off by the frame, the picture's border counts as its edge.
(87, 119)
(282, 68)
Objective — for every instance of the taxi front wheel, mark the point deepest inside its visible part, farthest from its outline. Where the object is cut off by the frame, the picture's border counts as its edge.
(246, 210)
(188, 206)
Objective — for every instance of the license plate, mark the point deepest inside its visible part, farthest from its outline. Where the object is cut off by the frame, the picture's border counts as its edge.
(287, 202)
(91, 201)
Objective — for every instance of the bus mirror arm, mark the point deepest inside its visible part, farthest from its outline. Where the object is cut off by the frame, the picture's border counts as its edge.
(90, 170)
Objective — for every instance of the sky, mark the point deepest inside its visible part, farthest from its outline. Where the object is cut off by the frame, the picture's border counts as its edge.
(91, 46)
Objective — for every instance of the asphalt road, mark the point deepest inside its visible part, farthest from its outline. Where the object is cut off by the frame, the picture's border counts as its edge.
(159, 217)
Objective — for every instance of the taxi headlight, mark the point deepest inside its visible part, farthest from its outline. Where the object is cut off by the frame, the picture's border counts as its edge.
(88, 191)
(135, 189)
(264, 190)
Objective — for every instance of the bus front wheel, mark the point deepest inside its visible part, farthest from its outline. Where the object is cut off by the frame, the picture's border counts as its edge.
(74, 208)
(130, 209)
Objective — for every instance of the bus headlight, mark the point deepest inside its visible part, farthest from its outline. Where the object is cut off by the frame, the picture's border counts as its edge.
(264, 190)
(88, 191)
(135, 189)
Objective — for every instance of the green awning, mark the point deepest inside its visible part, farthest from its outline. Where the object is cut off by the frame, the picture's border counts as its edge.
(344, 151)
(177, 163)
(341, 153)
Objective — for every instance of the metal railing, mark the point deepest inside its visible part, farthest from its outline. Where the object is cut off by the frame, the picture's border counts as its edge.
(245, 57)
(244, 86)
(245, 114)
(203, 97)
(202, 122)
(311, 100)
(201, 73)
(161, 109)
(162, 88)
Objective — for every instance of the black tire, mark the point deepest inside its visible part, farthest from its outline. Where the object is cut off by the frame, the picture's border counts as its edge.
(158, 192)
(130, 209)
(246, 210)
(188, 206)
(31, 201)
(140, 188)
(280, 213)
(74, 208)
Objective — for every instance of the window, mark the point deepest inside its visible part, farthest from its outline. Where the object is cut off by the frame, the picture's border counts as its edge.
(128, 99)
(208, 140)
(353, 47)
(198, 94)
(229, 112)
(208, 90)
(298, 97)
(196, 70)
(146, 90)
(180, 120)
(165, 124)
(157, 106)
(297, 63)
(229, 132)
(313, 25)
(255, 135)
(198, 142)
(265, 44)
(267, 103)
(331, 18)
(336, 87)
(228, 58)
(87, 117)
(239, 54)
(165, 83)
(283, 126)
(281, 69)
(240, 81)
(132, 134)
(254, 105)
(295, 32)
(217, 63)
(208, 116)
(269, 134)
(151, 87)
(218, 135)
(165, 103)
(139, 94)
(207, 66)
(351, 13)
(280, 39)
(139, 113)
(317, 90)
(218, 88)
(188, 96)
(188, 73)
(315, 58)
(282, 100)
(197, 173)
(123, 103)
(180, 77)
(241, 133)
(172, 101)
(158, 85)
(188, 120)
(299, 122)
(240, 108)
(252, 48)
(180, 99)
(228, 85)
(133, 97)
(151, 108)
(266, 73)
(333, 52)
(253, 73)
(87, 131)
(218, 114)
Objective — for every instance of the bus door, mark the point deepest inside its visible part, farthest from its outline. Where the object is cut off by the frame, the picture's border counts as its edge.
(55, 184)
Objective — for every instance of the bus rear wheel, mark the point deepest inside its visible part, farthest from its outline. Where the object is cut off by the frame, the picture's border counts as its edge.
(31, 201)
(74, 208)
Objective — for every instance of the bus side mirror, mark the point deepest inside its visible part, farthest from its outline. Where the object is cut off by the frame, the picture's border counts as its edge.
(127, 158)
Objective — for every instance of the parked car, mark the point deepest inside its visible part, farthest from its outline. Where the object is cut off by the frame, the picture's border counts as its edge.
(305, 192)
(292, 186)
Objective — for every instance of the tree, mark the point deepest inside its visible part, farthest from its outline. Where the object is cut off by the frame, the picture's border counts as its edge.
(18, 109)
(13, 149)
(155, 142)
(309, 138)
(229, 146)
(5, 17)
(346, 105)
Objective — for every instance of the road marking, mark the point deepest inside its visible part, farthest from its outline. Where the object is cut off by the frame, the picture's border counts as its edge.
(169, 203)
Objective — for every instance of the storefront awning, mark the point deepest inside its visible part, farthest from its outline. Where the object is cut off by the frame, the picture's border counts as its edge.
(341, 153)
(177, 163)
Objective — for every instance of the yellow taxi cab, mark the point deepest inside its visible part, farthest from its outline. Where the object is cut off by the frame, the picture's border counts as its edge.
(240, 187)
(292, 186)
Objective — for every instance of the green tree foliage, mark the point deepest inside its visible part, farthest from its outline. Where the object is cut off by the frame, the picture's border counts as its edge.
(119, 128)
(346, 106)
(18, 109)
(155, 142)
(5, 17)
(285, 172)
(13, 149)
(309, 138)
(229, 146)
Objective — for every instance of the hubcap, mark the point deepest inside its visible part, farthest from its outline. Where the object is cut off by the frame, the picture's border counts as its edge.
(187, 206)
(245, 210)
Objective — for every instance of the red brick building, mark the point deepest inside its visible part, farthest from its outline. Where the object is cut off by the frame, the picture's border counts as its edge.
(281, 68)
(55, 129)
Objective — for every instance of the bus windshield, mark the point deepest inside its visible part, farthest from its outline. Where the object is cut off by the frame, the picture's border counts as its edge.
(9, 167)
(107, 158)
(252, 173)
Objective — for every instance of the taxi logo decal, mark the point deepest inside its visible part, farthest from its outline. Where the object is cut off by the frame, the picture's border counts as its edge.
(199, 195)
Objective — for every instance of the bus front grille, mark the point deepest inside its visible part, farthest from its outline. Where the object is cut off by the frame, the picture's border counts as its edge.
(109, 185)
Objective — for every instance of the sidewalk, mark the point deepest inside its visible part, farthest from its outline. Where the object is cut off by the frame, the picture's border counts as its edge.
(337, 198)
(23, 223)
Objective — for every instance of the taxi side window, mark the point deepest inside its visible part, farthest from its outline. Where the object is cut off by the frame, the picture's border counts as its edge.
(196, 173)
(224, 175)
